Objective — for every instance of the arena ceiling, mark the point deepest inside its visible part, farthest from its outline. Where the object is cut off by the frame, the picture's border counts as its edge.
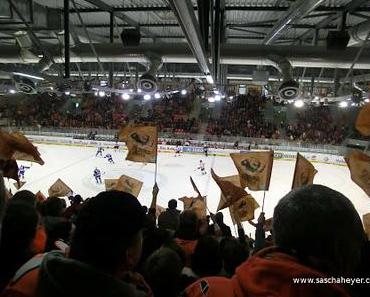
(241, 34)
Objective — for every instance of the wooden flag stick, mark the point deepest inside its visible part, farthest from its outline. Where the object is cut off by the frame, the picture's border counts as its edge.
(263, 202)
(155, 171)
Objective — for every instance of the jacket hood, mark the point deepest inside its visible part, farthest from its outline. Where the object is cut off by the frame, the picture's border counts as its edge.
(60, 276)
(271, 273)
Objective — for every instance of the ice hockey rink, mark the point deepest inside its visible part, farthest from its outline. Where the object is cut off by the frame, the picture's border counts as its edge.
(75, 165)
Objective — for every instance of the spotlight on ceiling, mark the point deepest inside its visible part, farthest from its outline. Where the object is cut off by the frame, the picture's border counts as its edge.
(147, 97)
(211, 99)
(183, 92)
(101, 93)
(67, 93)
(217, 98)
(125, 96)
(12, 91)
(157, 96)
(139, 90)
(343, 104)
(299, 103)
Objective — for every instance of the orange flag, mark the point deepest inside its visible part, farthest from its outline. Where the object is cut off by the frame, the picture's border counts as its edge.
(304, 172)
(10, 169)
(130, 185)
(141, 142)
(254, 169)
(40, 197)
(363, 120)
(359, 166)
(19, 185)
(231, 193)
(366, 222)
(244, 208)
(59, 189)
(195, 187)
(198, 205)
(16, 145)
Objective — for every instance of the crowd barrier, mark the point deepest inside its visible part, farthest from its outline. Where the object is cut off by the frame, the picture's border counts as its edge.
(279, 154)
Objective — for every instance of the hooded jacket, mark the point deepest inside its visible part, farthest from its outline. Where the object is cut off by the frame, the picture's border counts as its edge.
(58, 276)
(270, 273)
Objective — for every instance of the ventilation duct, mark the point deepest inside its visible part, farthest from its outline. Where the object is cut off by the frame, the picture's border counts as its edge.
(147, 82)
(358, 33)
(289, 89)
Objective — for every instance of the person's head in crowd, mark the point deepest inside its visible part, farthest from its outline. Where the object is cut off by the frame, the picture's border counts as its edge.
(162, 271)
(322, 227)
(19, 228)
(24, 196)
(207, 260)
(188, 225)
(53, 207)
(219, 218)
(77, 199)
(233, 254)
(172, 204)
(108, 233)
(145, 209)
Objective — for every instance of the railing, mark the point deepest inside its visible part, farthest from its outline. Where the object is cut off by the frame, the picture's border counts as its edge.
(194, 139)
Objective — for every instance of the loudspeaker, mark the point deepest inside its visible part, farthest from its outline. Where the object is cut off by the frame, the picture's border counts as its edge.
(337, 40)
(25, 85)
(289, 90)
(147, 83)
(130, 37)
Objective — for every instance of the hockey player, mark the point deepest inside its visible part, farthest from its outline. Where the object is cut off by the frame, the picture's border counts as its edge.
(178, 151)
(99, 152)
(205, 150)
(202, 167)
(109, 157)
(21, 171)
(97, 175)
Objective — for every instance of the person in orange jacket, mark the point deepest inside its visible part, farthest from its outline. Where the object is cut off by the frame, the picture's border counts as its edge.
(105, 247)
(318, 236)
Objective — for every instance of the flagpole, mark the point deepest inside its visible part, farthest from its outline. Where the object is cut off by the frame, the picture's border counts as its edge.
(263, 202)
(156, 157)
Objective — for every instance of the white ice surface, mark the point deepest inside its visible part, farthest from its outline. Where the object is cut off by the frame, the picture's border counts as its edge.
(75, 165)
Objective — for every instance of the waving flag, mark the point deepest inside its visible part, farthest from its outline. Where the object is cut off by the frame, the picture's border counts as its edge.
(141, 142)
(304, 172)
(59, 189)
(359, 166)
(230, 192)
(254, 169)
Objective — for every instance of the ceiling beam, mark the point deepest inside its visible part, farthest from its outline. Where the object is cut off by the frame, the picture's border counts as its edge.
(227, 8)
(105, 7)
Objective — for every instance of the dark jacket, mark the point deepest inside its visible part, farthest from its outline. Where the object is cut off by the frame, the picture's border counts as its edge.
(169, 219)
(58, 276)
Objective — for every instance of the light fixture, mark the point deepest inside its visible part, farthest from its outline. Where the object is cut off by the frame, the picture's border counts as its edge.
(299, 103)
(101, 93)
(67, 93)
(139, 90)
(12, 91)
(28, 75)
(367, 100)
(216, 91)
(77, 104)
(125, 96)
(209, 79)
(211, 99)
(343, 104)
(157, 95)
(131, 90)
(231, 97)
(217, 98)
(353, 104)
(96, 93)
(147, 97)
(183, 92)
(317, 97)
(223, 96)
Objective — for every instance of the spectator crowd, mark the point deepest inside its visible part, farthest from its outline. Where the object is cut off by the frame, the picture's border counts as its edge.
(111, 245)
(243, 116)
